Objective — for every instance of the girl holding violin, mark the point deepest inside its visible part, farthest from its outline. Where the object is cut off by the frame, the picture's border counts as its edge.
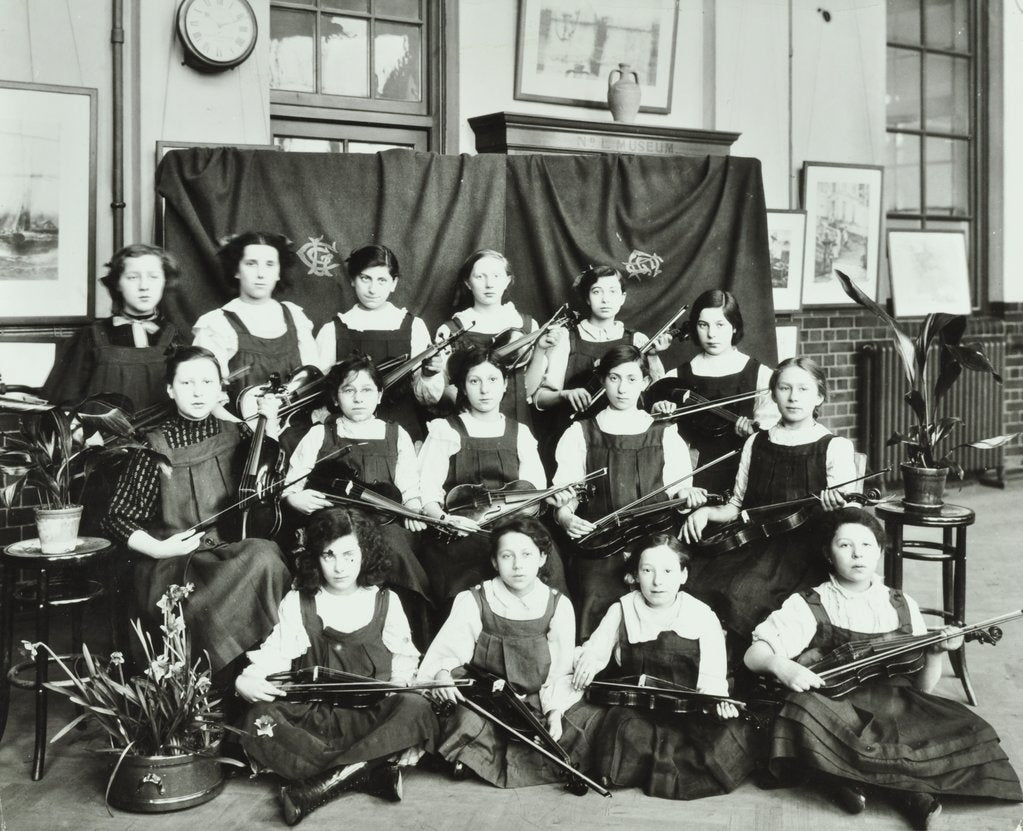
(338, 620)
(125, 353)
(890, 731)
(718, 370)
(479, 446)
(641, 457)
(672, 747)
(483, 280)
(238, 584)
(375, 327)
(254, 331)
(799, 457)
(376, 454)
(518, 628)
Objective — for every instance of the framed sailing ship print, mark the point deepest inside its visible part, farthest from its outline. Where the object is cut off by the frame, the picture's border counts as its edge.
(47, 202)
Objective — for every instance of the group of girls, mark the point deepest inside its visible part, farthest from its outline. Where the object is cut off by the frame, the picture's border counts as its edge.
(367, 598)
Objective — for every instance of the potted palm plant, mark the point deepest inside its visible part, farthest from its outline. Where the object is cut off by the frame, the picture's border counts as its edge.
(928, 462)
(163, 726)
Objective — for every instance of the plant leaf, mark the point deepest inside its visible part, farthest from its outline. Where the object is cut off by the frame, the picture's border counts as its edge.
(919, 408)
(70, 726)
(107, 413)
(973, 357)
(949, 370)
(942, 427)
(903, 344)
(990, 443)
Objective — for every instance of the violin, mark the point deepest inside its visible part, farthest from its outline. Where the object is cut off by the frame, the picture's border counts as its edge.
(857, 662)
(514, 352)
(722, 418)
(392, 374)
(598, 394)
(487, 505)
(616, 531)
(645, 692)
(264, 463)
(304, 391)
(767, 521)
(513, 714)
(346, 689)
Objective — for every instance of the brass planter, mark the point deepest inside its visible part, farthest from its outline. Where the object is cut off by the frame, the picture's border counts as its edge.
(155, 784)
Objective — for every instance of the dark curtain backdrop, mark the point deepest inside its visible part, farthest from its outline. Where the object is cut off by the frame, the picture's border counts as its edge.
(551, 215)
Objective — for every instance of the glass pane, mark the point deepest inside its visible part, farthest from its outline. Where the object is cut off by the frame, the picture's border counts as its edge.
(298, 144)
(948, 24)
(397, 8)
(947, 177)
(902, 104)
(904, 21)
(292, 50)
(947, 105)
(344, 42)
(902, 174)
(371, 147)
(346, 5)
(397, 62)
(311, 3)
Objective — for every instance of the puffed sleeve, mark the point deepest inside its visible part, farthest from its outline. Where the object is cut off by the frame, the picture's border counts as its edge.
(742, 476)
(308, 350)
(789, 630)
(214, 333)
(456, 641)
(530, 466)
(427, 389)
(303, 459)
(599, 647)
(326, 345)
(765, 411)
(287, 640)
(561, 640)
(677, 462)
(397, 637)
(713, 678)
(570, 456)
(406, 468)
(841, 464)
(440, 445)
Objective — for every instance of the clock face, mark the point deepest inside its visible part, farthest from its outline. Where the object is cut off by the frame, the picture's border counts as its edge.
(219, 33)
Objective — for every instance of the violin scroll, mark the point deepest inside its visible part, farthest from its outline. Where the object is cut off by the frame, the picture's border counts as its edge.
(991, 635)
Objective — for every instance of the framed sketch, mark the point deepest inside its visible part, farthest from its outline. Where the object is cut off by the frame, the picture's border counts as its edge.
(787, 337)
(929, 272)
(786, 236)
(843, 206)
(47, 202)
(567, 49)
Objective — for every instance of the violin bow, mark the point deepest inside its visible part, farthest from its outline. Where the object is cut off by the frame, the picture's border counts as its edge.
(542, 495)
(706, 405)
(672, 689)
(392, 507)
(392, 376)
(514, 346)
(646, 347)
(802, 500)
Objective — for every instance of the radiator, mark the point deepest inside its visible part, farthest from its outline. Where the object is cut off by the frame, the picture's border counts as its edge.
(975, 397)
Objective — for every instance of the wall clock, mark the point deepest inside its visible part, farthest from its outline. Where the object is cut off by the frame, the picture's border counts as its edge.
(216, 34)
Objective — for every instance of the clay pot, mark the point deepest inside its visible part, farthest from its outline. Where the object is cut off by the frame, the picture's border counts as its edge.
(924, 488)
(623, 95)
(58, 529)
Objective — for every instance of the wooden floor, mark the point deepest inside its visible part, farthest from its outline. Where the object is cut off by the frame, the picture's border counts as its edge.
(70, 795)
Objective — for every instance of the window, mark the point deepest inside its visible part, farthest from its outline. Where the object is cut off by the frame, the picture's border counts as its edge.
(357, 75)
(934, 122)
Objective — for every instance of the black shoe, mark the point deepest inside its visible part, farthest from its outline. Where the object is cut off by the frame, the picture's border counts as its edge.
(384, 781)
(302, 798)
(922, 808)
(850, 797)
(459, 772)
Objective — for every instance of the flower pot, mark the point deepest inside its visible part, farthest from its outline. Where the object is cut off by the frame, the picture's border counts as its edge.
(623, 95)
(924, 488)
(58, 529)
(155, 784)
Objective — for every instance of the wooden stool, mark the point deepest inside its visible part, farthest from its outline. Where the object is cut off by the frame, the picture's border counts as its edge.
(90, 553)
(953, 520)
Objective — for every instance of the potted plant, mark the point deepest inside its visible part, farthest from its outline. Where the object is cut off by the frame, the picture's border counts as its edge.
(928, 464)
(164, 726)
(56, 450)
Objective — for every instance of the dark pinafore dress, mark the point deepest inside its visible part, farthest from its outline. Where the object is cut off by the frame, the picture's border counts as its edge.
(886, 732)
(635, 465)
(710, 434)
(239, 585)
(398, 403)
(372, 461)
(137, 372)
(670, 755)
(745, 585)
(313, 737)
(519, 652)
(263, 356)
(514, 403)
(457, 564)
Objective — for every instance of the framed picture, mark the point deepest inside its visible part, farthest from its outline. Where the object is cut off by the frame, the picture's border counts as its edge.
(47, 202)
(786, 236)
(567, 49)
(788, 340)
(929, 272)
(843, 206)
(27, 355)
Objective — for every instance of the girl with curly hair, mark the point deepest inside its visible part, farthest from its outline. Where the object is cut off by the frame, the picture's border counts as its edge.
(337, 617)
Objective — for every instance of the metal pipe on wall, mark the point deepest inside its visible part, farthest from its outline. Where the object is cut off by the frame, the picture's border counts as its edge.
(117, 191)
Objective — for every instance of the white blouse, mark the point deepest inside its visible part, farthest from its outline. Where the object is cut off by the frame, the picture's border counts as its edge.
(570, 454)
(442, 442)
(388, 318)
(506, 316)
(406, 469)
(455, 643)
(841, 465)
(344, 613)
(264, 320)
(789, 630)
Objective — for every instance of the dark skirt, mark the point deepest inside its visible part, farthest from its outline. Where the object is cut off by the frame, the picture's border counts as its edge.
(596, 586)
(493, 755)
(672, 756)
(745, 585)
(238, 587)
(891, 735)
(312, 737)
